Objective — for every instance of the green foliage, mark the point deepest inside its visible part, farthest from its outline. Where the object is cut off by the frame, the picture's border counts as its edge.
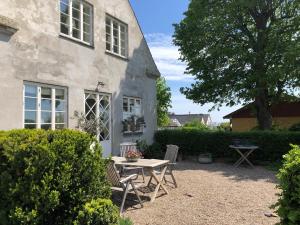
(295, 127)
(240, 51)
(289, 183)
(224, 127)
(193, 142)
(163, 102)
(47, 176)
(98, 212)
(196, 124)
(154, 151)
(125, 221)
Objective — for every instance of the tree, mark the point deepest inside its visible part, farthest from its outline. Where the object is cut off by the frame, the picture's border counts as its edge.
(240, 52)
(196, 123)
(163, 101)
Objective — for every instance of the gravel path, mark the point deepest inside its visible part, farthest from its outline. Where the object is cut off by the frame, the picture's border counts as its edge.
(215, 194)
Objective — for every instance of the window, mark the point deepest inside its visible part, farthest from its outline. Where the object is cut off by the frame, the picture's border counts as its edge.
(76, 20)
(116, 37)
(132, 107)
(44, 107)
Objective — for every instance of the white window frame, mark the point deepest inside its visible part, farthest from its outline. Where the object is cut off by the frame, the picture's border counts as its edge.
(128, 114)
(39, 105)
(120, 24)
(70, 25)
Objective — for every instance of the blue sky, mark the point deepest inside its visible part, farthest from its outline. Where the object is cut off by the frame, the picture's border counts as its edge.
(156, 18)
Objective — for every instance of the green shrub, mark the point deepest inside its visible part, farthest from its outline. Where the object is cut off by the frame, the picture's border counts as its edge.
(154, 151)
(47, 176)
(295, 127)
(192, 142)
(289, 183)
(196, 124)
(98, 212)
(125, 221)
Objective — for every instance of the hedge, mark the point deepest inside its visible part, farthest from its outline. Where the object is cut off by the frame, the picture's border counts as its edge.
(273, 144)
(51, 177)
(289, 183)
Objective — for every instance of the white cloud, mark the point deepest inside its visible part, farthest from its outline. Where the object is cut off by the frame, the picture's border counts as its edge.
(166, 56)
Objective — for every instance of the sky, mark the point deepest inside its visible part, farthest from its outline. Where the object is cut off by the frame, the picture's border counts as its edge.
(156, 18)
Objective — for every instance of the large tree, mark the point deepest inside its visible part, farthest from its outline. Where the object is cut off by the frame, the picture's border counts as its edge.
(163, 102)
(241, 51)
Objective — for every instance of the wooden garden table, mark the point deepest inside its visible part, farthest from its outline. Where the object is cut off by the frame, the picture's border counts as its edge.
(150, 165)
(245, 151)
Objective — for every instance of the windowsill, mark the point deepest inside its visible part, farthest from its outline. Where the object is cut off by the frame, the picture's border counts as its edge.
(69, 38)
(116, 55)
(127, 133)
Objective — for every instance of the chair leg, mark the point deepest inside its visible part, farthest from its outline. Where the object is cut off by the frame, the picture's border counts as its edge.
(173, 178)
(137, 193)
(124, 198)
(143, 174)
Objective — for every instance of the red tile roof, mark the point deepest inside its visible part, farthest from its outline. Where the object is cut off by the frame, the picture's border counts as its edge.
(284, 109)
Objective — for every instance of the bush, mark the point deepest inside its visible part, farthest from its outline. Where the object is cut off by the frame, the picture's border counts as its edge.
(295, 127)
(193, 142)
(289, 183)
(154, 151)
(47, 176)
(196, 124)
(98, 212)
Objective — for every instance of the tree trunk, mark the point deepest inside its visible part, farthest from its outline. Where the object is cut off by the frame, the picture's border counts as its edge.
(263, 111)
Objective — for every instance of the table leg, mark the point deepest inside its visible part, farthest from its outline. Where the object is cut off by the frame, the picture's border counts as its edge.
(159, 180)
(244, 158)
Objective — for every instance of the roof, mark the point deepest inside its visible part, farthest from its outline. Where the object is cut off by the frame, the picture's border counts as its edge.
(186, 118)
(283, 109)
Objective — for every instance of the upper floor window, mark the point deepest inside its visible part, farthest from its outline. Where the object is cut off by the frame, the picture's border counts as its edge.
(76, 20)
(116, 37)
(45, 107)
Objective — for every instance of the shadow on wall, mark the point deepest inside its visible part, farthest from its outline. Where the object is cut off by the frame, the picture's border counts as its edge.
(137, 83)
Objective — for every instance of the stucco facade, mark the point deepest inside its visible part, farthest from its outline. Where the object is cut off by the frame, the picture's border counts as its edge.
(246, 124)
(37, 53)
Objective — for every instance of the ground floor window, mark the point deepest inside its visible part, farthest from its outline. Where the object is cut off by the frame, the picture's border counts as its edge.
(133, 120)
(45, 107)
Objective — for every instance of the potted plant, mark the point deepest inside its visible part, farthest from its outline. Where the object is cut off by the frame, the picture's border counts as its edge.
(132, 156)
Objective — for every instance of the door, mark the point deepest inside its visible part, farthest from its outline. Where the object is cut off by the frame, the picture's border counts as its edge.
(98, 109)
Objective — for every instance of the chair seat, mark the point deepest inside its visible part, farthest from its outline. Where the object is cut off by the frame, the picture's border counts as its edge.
(130, 188)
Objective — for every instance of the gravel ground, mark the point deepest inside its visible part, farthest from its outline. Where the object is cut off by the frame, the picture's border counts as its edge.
(215, 194)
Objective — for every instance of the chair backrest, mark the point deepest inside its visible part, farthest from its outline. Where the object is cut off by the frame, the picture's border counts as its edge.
(124, 147)
(113, 175)
(171, 154)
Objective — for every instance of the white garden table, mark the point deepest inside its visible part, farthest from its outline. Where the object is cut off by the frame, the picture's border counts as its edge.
(245, 151)
(150, 165)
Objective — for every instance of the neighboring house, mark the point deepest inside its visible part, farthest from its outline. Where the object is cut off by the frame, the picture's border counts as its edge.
(181, 120)
(62, 56)
(284, 116)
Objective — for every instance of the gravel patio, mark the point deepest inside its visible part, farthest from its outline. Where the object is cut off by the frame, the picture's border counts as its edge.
(215, 194)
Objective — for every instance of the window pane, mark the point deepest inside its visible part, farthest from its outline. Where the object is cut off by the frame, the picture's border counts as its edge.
(64, 19)
(30, 117)
(86, 19)
(46, 126)
(90, 107)
(46, 117)
(76, 24)
(60, 94)
(30, 91)
(86, 28)
(76, 4)
(76, 33)
(59, 105)
(64, 8)
(46, 93)
(131, 104)
(46, 105)
(59, 126)
(64, 29)
(125, 105)
(86, 37)
(76, 14)
(30, 103)
(60, 117)
(65, 2)
(87, 9)
(30, 126)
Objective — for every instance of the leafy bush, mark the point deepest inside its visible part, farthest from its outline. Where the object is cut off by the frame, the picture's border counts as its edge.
(295, 127)
(193, 142)
(196, 124)
(289, 183)
(154, 151)
(125, 221)
(98, 212)
(47, 176)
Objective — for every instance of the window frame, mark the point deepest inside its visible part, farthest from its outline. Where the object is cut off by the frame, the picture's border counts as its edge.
(111, 34)
(39, 110)
(70, 25)
(127, 114)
